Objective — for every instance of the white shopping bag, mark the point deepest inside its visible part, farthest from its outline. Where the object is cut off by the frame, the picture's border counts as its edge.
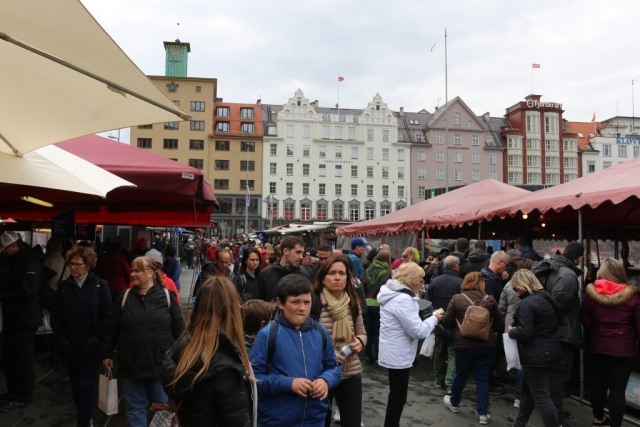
(511, 352)
(428, 346)
(108, 394)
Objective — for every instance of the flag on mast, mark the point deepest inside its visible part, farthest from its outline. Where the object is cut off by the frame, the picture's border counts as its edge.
(340, 78)
(535, 65)
(593, 120)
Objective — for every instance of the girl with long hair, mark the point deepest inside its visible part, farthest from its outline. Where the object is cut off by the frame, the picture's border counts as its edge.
(246, 279)
(207, 373)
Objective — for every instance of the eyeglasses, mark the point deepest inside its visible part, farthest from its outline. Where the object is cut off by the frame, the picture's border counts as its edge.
(504, 262)
(75, 264)
(134, 271)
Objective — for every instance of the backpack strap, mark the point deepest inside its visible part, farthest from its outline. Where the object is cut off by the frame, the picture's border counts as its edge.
(124, 298)
(243, 283)
(323, 333)
(166, 292)
(316, 306)
(126, 294)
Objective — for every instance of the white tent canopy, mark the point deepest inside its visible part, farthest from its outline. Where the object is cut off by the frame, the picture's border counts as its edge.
(63, 76)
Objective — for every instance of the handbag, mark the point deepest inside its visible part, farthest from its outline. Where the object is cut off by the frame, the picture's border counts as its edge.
(511, 352)
(108, 393)
(428, 346)
(164, 415)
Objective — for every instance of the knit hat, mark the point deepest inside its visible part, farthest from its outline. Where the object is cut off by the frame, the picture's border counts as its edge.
(8, 238)
(573, 250)
(155, 255)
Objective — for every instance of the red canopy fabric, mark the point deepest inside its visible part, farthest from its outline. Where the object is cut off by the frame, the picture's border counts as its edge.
(167, 194)
(433, 213)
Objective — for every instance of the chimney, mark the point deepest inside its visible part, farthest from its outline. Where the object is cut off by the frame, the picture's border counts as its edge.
(315, 103)
(487, 116)
(401, 111)
(259, 102)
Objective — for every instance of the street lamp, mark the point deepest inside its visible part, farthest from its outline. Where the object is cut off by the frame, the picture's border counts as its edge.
(113, 137)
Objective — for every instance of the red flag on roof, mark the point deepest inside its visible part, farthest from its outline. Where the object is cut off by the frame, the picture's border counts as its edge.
(535, 65)
(593, 120)
(340, 78)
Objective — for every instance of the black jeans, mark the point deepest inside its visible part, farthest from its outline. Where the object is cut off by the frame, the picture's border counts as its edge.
(559, 377)
(398, 387)
(372, 326)
(19, 363)
(348, 396)
(609, 373)
(83, 380)
(535, 392)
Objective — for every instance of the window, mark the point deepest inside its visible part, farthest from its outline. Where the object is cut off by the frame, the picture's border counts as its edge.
(196, 163)
(457, 175)
(385, 191)
(306, 131)
(457, 157)
(322, 170)
(338, 170)
(475, 175)
(570, 145)
(289, 210)
(338, 190)
(369, 212)
(534, 178)
(352, 133)
(196, 144)
(622, 151)
(571, 162)
(606, 164)
(244, 183)
(401, 173)
(144, 143)
(551, 123)
(385, 154)
(145, 127)
(475, 139)
(305, 169)
(385, 135)
(354, 152)
(515, 177)
(249, 165)
(418, 136)
(322, 151)
(369, 171)
(271, 129)
(636, 151)
(222, 145)
(439, 156)
(440, 174)
(552, 162)
(172, 125)
(475, 157)
(553, 178)
(385, 209)
(321, 211)
(198, 89)
(246, 113)
(272, 187)
(422, 191)
(456, 120)
(289, 149)
(591, 166)
(222, 112)
(400, 190)
(439, 139)
(354, 171)
(515, 160)
(493, 159)
(222, 126)
(248, 146)
(197, 106)
(369, 190)
(305, 188)
(606, 150)
(533, 123)
(289, 188)
(322, 189)
(515, 143)
(385, 171)
(337, 132)
(221, 165)
(422, 173)
(305, 150)
(400, 154)
(570, 177)
(325, 132)
(305, 211)
(369, 134)
(338, 152)
(369, 153)
(551, 144)
(289, 169)
(354, 212)
(422, 155)
(493, 174)
(533, 161)
(273, 168)
(247, 128)
(354, 190)
(221, 184)
(290, 131)
(273, 149)
(533, 144)
(457, 139)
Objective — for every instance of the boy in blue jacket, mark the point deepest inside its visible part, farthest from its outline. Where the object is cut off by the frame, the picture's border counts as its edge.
(296, 368)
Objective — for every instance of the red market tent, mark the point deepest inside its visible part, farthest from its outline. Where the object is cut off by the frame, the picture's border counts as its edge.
(427, 213)
(167, 194)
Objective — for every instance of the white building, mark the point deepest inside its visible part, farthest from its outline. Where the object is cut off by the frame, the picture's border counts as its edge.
(333, 164)
(616, 140)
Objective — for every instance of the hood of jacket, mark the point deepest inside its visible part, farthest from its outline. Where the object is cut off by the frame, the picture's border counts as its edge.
(307, 325)
(609, 293)
(559, 261)
(380, 264)
(478, 255)
(392, 290)
(283, 270)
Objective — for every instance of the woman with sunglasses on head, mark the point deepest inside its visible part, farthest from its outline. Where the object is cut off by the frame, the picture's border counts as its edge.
(145, 322)
(80, 312)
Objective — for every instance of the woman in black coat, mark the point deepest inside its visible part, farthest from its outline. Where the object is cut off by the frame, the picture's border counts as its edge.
(536, 330)
(207, 373)
(145, 322)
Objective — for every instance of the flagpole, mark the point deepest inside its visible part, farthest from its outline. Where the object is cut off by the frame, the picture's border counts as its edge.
(247, 201)
(338, 98)
(532, 79)
(446, 117)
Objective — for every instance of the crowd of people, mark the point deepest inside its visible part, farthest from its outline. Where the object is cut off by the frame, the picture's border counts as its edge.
(278, 335)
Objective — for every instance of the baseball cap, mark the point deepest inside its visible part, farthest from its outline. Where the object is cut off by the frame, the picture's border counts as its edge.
(358, 241)
(155, 255)
(8, 238)
(312, 252)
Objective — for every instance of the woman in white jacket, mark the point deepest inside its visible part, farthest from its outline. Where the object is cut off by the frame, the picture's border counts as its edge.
(400, 329)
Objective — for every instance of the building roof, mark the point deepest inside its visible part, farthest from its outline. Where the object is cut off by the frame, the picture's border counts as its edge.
(495, 125)
(411, 123)
(584, 130)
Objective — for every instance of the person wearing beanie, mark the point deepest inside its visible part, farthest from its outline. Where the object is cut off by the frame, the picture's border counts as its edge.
(563, 285)
(358, 245)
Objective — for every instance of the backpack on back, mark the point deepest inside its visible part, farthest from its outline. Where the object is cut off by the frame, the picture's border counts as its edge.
(477, 320)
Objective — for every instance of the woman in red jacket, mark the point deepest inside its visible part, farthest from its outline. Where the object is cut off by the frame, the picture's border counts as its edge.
(611, 315)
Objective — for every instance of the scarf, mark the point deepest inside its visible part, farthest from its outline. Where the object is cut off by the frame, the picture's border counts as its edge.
(339, 309)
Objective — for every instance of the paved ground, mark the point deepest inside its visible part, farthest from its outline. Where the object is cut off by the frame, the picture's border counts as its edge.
(53, 406)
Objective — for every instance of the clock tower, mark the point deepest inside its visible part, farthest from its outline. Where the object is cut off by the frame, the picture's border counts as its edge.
(176, 58)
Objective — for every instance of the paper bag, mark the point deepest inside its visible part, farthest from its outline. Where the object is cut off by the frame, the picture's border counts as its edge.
(108, 393)
(428, 346)
(511, 352)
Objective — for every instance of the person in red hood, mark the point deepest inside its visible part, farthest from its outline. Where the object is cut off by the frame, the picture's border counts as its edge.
(168, 283)
(611, 314)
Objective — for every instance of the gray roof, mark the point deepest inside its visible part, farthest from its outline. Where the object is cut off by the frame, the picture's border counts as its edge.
(495, 125)
(411, 123)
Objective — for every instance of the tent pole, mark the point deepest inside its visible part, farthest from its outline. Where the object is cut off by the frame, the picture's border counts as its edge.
(424, 246)
(479, 229)
(580, 291)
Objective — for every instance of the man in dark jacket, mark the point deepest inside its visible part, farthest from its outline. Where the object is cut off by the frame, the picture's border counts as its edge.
(563, 285)
(478, 257)
(440, 292)
(218, 268)
(494, 274)
(523, 244)
(21, 316)
(460, 250)
(268, 279)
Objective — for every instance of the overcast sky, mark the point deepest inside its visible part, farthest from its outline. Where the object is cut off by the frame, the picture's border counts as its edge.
(587, 50)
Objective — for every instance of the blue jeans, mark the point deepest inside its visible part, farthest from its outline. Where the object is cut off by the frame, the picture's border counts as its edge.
(518, 383)
(479, 360)
(139, 394)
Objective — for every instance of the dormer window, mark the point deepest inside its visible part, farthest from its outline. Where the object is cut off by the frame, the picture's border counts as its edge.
(298, 103)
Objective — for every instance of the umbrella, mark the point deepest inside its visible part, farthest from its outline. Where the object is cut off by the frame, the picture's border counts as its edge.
(63, 77)
(54, 168)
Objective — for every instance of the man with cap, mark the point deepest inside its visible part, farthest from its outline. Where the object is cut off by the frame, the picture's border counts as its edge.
(358, 245)
(21, 316)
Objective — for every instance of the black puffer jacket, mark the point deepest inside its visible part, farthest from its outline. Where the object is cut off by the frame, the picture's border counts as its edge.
(536, 329)
(477, 260)
(562, 283)
(269, 278)
(222, 396)
(143, 331)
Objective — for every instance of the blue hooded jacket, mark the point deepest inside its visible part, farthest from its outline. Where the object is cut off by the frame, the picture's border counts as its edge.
(297, 354)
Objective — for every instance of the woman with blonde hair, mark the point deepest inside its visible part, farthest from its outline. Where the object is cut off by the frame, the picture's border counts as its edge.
(410, 254)
(535, 327)
(611, 314)
(207, 372)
